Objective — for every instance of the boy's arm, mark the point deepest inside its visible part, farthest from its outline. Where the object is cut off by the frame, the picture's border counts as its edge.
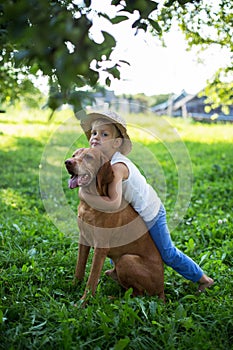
(111, 202)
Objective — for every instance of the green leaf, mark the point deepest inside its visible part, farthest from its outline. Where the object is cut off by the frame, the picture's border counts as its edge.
(169, 3)
(155, 25)
(143, 26)
(104, 318)
(114, 71)
(143, 308)
(153, 307)
(118, 19)
(180, 312)
(24, 268)
(108, 81)
(128, 294)
(203, 258)
(145, 7)
(121, 344)
(87, 3)
(109, 40)
(183, 2)
(34, 68)
(93, 77)
(190, 244)
(136, 23)
(115, 2)
(1, 317)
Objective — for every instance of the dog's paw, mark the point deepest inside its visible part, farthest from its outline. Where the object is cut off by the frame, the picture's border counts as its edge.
(112, 273)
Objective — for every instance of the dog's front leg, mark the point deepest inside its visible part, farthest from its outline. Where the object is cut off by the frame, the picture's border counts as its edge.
(83, 253)
(96, 268)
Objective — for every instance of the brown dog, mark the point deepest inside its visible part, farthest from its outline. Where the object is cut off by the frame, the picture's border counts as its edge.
(122, 235)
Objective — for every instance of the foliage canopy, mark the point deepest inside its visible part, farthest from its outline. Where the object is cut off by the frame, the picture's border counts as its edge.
(54, 37)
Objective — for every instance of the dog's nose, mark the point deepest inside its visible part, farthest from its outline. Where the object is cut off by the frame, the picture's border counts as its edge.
(68, 162)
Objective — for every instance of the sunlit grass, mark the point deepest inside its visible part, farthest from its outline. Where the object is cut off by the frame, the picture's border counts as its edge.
(187, 129)
(12, 199)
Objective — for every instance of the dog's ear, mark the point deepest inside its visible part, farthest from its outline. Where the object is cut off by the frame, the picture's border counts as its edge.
(104, 177)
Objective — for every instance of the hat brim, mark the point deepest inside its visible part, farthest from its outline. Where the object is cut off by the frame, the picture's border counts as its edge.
(87, 121)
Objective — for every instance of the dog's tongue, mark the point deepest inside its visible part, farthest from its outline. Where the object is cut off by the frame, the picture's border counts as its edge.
(74, 182)
(78, 180)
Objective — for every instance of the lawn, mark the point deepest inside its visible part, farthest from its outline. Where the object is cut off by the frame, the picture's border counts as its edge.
(191, 166)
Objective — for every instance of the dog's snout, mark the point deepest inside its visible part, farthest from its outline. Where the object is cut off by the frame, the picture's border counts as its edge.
(68, 162)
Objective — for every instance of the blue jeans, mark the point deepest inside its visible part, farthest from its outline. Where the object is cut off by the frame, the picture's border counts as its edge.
(172, 256)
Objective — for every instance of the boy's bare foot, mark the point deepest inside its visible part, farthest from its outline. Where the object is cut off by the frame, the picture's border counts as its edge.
(205, 282)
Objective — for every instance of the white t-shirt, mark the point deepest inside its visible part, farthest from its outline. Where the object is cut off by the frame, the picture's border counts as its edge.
(137, 191)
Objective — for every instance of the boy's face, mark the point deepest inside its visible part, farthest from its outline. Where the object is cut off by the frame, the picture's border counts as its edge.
(105, 137)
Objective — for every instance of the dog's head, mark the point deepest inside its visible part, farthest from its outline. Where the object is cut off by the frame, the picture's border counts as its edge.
(88, 165)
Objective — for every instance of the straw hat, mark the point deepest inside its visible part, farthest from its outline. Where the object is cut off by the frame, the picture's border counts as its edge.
(87, 120)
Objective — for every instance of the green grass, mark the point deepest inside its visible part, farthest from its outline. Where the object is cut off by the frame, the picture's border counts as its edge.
(38, 249)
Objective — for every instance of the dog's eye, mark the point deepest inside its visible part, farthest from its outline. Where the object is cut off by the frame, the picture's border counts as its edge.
(88, 156)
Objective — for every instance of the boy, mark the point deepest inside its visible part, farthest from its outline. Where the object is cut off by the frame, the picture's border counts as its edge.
(107, 131)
